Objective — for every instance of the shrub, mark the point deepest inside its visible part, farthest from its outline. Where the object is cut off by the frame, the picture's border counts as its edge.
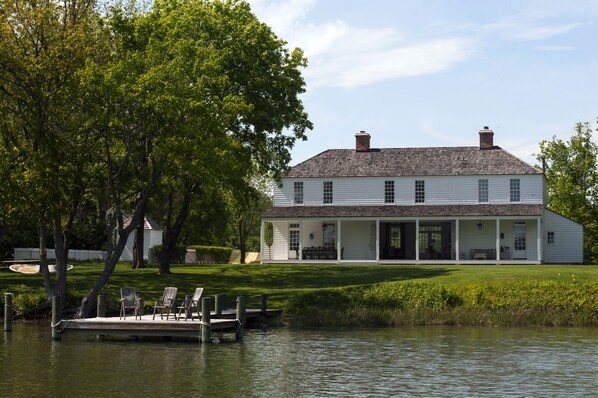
(212, 254)
(26, 300)
(179, 253)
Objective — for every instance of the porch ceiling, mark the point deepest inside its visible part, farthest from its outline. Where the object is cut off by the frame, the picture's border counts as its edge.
(405, 211)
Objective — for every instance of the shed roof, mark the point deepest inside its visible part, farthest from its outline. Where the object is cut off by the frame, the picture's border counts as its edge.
(397, 162)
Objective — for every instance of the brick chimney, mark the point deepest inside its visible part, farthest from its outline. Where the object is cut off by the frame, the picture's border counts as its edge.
(362, 142)
(486, 138)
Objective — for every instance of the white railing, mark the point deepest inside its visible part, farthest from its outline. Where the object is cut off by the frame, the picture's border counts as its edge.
(79, 255)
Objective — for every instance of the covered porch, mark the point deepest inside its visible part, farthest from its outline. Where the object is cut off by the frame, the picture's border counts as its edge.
(479, 239)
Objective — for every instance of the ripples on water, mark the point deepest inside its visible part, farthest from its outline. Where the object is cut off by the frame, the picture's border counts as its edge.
(423, 362)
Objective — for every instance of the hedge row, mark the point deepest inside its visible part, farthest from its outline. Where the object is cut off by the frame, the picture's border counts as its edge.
(212, 254)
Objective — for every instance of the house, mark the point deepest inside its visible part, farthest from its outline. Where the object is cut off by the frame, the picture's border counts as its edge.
(152, 235)
(418, 205)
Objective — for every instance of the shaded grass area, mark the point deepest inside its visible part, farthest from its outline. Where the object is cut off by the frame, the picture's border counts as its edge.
(288, 284)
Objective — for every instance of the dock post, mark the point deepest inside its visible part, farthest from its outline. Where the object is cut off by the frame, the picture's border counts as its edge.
(241, 316)
(220, 303)
(8, 312)
(101, 308)
(206, 326)
(188, 313)
(56, 316)
(264, 304)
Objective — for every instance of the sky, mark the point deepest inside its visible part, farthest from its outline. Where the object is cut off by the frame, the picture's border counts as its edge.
(433, 73)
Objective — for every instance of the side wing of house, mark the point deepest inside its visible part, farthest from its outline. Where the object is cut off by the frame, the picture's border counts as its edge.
(563, 239)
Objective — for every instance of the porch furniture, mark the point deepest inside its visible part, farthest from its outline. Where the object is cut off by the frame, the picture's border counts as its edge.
(193, 303)
(129, 300)
(167, 302)
(483, 254)
(505, 253)
(319, 253)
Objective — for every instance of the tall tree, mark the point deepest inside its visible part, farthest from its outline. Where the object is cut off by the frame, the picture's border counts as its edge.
(572, 182)
(43, 46)
(189, 76)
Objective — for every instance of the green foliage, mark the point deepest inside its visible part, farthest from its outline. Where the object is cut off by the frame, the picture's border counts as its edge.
(26, 299)
(572, 182)
(212, 254)
(179, 256)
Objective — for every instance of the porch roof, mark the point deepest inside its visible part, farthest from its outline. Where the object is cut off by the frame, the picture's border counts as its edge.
(405, 211)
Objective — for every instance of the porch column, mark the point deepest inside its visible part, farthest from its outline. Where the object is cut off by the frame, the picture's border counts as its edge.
(300, 256)
(540, 235)
(338, 241)
(417, 239)
(377, 240)
(457, 252)
(262, 242)
(497, 239)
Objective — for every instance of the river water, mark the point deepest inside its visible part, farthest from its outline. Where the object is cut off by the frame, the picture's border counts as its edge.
(412, 362)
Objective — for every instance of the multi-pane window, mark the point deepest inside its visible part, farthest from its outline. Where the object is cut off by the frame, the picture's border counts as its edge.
(298, 193)
(420, 191)
(515, 190)
(550, 237)
(483, 191)
(389, 191)
(328, 192)
(294, 234)
(395, 236)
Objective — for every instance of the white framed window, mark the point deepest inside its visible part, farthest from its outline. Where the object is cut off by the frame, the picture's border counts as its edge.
(389, 191)
(483, 191)
(327, 194)
(550, 238)
(294, 237)
(420, 191)
(515, 190)
(298, 193)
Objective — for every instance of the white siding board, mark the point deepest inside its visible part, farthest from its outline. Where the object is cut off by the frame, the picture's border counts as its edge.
(280, 248)
(356, 240)
(568, 247)
(439, 190)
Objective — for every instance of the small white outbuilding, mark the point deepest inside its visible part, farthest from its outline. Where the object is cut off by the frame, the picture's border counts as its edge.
(152, 235)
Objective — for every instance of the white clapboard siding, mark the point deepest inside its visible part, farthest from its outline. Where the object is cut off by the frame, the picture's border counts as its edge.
(568, 235)
(439, 190)
(280, 248)
(356, 240)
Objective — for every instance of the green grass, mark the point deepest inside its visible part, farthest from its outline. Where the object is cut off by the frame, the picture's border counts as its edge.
(285, 281)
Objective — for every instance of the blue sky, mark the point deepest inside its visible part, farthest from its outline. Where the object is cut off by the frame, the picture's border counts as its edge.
(433, 73)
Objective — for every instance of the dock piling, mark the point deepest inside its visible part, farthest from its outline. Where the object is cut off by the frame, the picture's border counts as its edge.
(264, 304)
(8, 312)
(101, 308)
(220, 304)
(56, 316)
(241, 316)
(206, 326)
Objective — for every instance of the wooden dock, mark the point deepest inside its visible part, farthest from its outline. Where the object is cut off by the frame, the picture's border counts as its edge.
(146, 326)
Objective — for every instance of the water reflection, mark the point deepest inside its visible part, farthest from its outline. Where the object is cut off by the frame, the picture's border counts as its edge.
(422, 362)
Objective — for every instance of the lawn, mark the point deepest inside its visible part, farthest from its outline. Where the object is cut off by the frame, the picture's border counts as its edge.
(281, 281)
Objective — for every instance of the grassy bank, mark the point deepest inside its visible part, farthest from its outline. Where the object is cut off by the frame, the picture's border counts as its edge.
(316, 295)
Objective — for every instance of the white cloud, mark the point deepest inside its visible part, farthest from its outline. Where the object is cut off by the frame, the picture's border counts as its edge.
(282, 16)
(528, 28)
(554, 48)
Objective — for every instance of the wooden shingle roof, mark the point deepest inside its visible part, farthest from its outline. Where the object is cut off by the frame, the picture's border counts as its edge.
(398, 162)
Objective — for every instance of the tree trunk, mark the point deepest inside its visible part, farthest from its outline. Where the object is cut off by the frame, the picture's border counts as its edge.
(61, 251)
(138, 243)
(88, 304)
(174, 231)
(43, 260)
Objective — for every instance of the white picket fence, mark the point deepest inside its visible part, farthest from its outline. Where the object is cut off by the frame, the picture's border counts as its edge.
(79, 255)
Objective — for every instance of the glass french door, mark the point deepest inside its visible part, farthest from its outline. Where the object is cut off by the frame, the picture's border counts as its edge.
(520, 243)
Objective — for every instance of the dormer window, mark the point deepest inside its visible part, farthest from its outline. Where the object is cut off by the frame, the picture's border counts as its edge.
(298, 193)
(327, 193)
